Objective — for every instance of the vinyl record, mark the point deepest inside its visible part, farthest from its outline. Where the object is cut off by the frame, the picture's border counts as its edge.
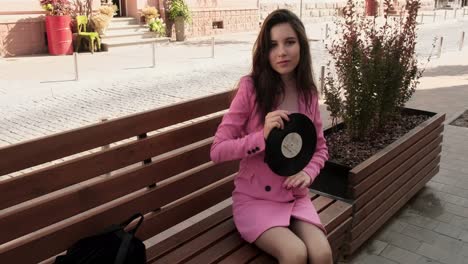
(289, 150)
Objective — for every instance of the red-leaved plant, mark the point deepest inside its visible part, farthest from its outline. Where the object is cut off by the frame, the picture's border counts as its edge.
(56, 7)
(375, 69)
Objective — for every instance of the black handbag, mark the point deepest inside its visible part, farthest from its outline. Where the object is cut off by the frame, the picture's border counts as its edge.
(112, 246)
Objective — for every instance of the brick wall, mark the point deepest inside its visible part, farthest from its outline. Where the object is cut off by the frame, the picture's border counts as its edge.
(310, 8)
(232, 20)
(23, 36)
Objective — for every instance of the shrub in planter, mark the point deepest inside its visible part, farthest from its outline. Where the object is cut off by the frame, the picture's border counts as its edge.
(179, 13)
(375, 70)
(150, 13)
(381, 153)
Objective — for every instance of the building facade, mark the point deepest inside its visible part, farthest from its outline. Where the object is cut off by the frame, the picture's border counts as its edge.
(22, 26)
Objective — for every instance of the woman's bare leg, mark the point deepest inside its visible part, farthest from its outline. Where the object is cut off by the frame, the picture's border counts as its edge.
(284, 245)
(318, 248)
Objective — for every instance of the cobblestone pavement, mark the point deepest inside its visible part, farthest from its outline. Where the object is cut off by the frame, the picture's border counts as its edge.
(37, 99)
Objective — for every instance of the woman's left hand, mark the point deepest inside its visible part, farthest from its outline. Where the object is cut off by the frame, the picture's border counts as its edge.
(300, 180)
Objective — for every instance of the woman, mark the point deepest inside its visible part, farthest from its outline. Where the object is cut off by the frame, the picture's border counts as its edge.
(271, 211)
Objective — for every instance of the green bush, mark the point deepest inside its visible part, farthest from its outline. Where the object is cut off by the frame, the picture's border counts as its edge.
(374, 70)
(178, 8)
(158, 26)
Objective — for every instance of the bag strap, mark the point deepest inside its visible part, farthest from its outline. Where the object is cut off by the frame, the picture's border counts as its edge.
(123, 249)
(128, 221)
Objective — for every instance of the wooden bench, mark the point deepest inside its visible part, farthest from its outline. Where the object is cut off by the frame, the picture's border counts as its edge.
(74, 184)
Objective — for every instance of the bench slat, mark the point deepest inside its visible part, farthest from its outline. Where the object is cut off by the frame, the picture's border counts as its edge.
(87, 196)
(163, 247)
(242, 255)
(321, 202)
(219, 250)
(47, 180)
(62, 235)
(189, 249)
(335, 214)
(263, 258)
(167, 217)
(38, 151)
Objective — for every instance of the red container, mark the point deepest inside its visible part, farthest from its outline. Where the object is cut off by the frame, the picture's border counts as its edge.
(371, 7)
(59, 35)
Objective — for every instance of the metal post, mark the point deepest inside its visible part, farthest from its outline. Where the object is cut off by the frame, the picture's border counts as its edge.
(434, 18)
(439, 52)
(422, 18)
(300, 12)
(154, 54)
(212, 46)
(445, 15)
(75, 57)
(455, 13)
(462, 40)
(322, 78)
(326, 31)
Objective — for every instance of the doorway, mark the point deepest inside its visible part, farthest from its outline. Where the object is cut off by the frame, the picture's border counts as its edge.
(122, 5)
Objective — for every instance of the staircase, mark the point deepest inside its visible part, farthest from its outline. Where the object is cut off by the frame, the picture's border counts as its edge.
(126, 31)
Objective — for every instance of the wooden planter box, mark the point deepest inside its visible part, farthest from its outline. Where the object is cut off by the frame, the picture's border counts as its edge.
(382, 184)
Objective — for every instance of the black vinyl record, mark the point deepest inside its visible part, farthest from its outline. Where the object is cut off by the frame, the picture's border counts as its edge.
(289, 150)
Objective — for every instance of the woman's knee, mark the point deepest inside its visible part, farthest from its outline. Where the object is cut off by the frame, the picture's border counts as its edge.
(294, 254)
(321, 255)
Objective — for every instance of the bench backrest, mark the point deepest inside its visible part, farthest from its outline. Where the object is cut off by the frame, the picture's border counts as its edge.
(70, 185)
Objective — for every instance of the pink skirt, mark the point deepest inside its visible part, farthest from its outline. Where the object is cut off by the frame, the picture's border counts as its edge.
(252, 217)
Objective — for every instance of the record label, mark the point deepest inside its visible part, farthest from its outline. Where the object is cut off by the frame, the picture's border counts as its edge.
(291, 145)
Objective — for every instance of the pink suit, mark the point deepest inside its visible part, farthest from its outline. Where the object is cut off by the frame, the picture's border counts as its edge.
(260, 201)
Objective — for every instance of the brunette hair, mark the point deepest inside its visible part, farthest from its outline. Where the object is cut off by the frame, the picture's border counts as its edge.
(267, 82)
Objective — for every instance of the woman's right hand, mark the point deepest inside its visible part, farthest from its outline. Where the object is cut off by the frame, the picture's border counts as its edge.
(274, 119)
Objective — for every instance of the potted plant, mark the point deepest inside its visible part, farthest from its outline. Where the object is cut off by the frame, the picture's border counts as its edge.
(158, 27)
(179, 13)
(101, 20)
(150, 13)
(58, 20)
(381, 153)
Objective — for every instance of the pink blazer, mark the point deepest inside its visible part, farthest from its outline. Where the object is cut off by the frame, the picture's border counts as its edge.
(240, 136)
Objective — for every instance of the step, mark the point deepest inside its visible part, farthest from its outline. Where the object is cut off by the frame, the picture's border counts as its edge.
(113, 27)
(132, 42)
(122, 21)
(125, 33)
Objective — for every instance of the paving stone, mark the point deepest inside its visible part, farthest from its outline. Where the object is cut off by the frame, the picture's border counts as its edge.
(400, 240)
(421, 234)
(424, 260)
(375, 247)
(457, 210)
(463, 235)
(432, 252)
(400, 255)
(419, 220)
(448, 230)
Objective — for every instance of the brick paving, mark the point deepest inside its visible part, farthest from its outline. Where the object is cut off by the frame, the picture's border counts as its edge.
(37, 99)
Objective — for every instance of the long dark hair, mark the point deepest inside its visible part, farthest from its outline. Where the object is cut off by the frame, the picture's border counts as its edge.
(267, 82)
